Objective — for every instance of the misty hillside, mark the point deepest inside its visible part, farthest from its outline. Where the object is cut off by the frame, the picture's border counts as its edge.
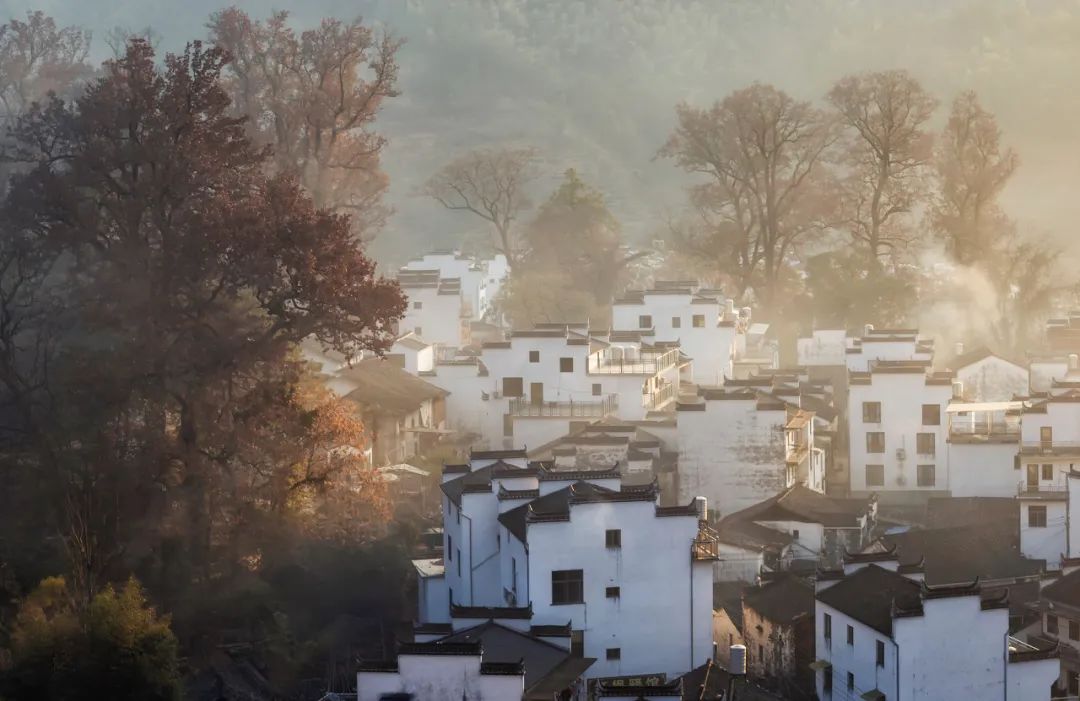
(593, 83)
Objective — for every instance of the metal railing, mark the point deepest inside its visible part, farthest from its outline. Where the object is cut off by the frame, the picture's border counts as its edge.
(706, 545)
(1035, 490)
(997, 428)
(660, 397)
(569, 409)
(1050, 447)
(648, 363)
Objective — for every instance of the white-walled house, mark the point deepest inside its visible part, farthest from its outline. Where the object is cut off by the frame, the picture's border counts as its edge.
(1059, 611)
(417, 356)
(739, 445)
(982, 443)
(988, 376)
(877, 345)
(705, 326)
(538, 547)
(480, 279)
(439, 672)
(896, 427)
(434, 310)
(883, 634)
(535, 385)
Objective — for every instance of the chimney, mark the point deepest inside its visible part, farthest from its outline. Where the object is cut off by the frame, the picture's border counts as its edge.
(868, 329)
(957, 389)
(959, 348)
(702, 508)
(729, 309)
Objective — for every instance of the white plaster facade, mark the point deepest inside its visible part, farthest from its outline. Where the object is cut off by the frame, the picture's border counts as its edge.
(896, 423)
(432, 674)
(639, 601)
(924, 643)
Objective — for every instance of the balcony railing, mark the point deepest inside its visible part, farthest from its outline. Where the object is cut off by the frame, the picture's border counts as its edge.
(1050, 447)
(707, 544)
(1041, 491)
(655, 400)
(998, 431)
(570, 409)
(647, 363)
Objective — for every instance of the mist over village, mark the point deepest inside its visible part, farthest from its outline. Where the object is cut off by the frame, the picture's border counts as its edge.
(500, 350)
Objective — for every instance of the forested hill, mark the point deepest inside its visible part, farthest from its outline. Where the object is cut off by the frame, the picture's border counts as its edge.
(593, 83)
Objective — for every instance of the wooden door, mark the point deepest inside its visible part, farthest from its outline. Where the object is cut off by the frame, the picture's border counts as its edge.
(536, 393)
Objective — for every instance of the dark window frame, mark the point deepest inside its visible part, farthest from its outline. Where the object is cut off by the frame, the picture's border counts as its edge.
(566, 364)
(879, 653)
(613, 654)
(676, 322)
(1047, 472)
(567, 587)
(921, 471)
(1052, 624)
(597, 389)
(878, 468)
(613, 538)
(871, 412)
(534, 356)
(1036, 516)
(926, 443)
(520, 384)
(644, 321)
(934, 416)
(873, 445)
(850, 636)
(698, 321)
(612, 592)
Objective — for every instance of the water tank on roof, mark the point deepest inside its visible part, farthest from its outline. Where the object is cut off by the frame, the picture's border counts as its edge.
(737, 665)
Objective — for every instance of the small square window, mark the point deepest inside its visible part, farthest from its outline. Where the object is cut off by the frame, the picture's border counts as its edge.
(871, 412)
(794, 533)
(1036, 517)
(611, 592)
(676, 322)
(567, 587)
(698, 321)
(534, 356)
(1047, 473)
(875, 442)
(418, 331)
(925, 444)
(613, 538)
(875, 475)
(417, 305)
(596, 389)
(644, 321)
(566, 364)
(931, 415)
(927, 475)
(614, 653)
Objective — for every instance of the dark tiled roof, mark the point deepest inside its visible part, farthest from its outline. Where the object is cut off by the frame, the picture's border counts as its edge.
(868, 596)
(783, 600)
(478, 480)
(728, 597)
(961, 554)
(382, 386)
(504, 645)
(491, 612)
(1065, 590)
(556, 504)
(710, 681)
(800, 503)
(943, 512)
(498, 454)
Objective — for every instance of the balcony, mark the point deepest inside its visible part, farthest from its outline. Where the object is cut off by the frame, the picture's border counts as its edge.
(598, 409)
(706, 545)
(644, 363)
(996, 432)
(1046, 492)
(1062, 448)
(654, 401)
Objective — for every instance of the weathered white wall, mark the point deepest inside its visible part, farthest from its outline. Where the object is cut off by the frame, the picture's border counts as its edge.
(433, 596)
(731, 453)
(1042, 373)
(993, 379)
(439, 678)
(826, 347)
(860, 659)
(438, 318)
(738, 564)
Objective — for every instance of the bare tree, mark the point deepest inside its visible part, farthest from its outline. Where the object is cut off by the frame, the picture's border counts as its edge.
(36, 58)
(489, 183)
(885, 154)
(972, 169)
(313, 98)
(763, 151)
(118, 38)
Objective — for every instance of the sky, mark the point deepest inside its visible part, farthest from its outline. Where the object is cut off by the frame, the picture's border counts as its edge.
(592, 84)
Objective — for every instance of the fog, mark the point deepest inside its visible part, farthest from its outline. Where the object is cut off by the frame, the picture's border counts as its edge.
(592, 83)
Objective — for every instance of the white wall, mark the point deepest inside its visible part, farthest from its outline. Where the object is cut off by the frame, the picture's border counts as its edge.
(902, 396)
(732, 453)
(993, 379)
(860, 659)
(738, 564)
(934, 665)
(982, 469)
(654, 572)
(439, 678)
(433, 596)
(825, 347)
(1044, 371)
(1044, 543)
(438, 320)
